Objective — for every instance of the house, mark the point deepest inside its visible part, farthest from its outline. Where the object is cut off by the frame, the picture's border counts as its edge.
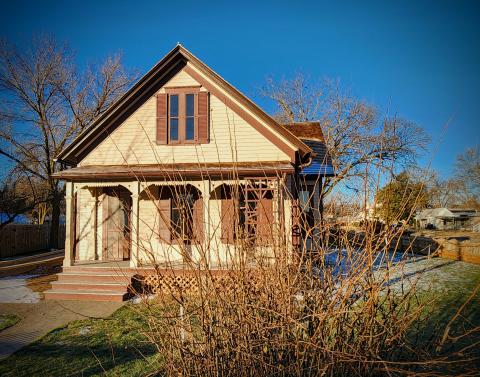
(446, 218)
(181, 169)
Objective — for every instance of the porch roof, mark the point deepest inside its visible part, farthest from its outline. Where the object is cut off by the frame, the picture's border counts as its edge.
(178, 170)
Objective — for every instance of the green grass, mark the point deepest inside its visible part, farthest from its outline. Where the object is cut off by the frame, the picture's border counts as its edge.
(449, 286)
(7, 320)
(116, 346)
(443, 286)
(112, 346)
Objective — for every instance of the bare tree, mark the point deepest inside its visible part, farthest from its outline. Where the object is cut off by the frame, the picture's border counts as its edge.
(45, 102)
(19, 194)
(467, 170)
(356, 134)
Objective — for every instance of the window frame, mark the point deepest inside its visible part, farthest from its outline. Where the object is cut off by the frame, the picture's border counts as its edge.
(182, 93)
(184, 208)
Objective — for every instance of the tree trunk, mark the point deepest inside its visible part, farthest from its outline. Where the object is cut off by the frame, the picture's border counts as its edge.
(55, 221)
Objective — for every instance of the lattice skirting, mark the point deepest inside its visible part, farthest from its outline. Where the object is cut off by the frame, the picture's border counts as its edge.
(192, 282)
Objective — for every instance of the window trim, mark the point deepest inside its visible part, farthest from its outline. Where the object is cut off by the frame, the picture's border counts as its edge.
(182, 116)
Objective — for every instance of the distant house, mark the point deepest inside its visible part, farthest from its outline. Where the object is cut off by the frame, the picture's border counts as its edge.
(447, 218)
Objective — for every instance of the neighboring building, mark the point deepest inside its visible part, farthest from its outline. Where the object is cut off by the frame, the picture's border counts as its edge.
(183, 166)
(447, 218)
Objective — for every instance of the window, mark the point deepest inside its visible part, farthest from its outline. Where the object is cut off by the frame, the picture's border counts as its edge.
(306, 201)
(181, 216)
(173, 118)
(247, 214)
(190, 117)
(182, 114)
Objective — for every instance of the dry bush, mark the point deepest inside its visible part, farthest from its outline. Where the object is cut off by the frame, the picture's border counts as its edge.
(337, 306)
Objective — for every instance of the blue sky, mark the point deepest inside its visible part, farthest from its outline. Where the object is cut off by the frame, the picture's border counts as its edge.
(420, 60)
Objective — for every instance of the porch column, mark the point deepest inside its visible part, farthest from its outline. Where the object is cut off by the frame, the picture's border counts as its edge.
(69, 224)
(135, 224)
(207, 245)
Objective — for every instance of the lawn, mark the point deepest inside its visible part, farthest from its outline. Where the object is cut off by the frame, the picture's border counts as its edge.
(112, 346)
(7, 320)
(118, 346)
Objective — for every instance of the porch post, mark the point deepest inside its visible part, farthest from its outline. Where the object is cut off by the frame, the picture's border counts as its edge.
(69, 224)
(206, 221)
(134, 224)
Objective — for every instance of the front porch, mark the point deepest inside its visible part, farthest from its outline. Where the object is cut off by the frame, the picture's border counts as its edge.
(159, 229)
(172, 223)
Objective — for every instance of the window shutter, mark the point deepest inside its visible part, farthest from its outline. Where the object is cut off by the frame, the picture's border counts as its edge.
(203, 117)
(227, 220)
(162, 119)
(164, 233)
(198, 224)
(264, 233)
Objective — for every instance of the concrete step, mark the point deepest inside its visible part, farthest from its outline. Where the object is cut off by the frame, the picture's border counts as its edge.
(104, 287)
(85, 295)
(88, 278)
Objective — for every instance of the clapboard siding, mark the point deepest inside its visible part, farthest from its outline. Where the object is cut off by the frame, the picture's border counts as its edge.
(231, 138)
(86, 221)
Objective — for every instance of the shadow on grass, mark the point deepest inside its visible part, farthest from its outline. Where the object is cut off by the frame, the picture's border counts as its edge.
(113, 346)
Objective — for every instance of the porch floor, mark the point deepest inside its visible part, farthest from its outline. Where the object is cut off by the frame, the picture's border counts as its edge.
(119, 264)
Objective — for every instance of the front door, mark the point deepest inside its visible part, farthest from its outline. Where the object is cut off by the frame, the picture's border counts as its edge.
(116, 224)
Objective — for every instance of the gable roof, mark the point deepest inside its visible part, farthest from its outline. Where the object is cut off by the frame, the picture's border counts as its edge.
(158, 76)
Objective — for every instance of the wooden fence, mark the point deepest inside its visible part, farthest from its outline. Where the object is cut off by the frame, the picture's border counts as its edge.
(18, 239)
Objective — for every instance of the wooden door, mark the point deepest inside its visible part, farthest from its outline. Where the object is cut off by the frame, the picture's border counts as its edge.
(116, 226)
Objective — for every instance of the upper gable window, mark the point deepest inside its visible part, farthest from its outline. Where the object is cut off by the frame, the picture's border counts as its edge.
(182, 116)
(173, 119)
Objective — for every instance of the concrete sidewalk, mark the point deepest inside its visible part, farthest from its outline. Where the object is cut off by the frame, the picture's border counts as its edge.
(40, 318)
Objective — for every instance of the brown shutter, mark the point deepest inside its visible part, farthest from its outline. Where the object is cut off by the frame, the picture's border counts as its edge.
(203, 118)
(264, 233)
(162, 119)
(227, 220)
(198, 225)
(164, 233)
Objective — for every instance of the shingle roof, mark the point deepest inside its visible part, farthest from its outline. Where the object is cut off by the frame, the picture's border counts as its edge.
(321, 162)
(312, 135)
(172, 170)
(306, 130)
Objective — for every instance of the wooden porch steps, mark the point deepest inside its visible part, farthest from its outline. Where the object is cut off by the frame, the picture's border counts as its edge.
(92, 283)
(86, 295)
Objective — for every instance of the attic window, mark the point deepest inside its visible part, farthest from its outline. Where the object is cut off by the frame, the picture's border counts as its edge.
(182, 116)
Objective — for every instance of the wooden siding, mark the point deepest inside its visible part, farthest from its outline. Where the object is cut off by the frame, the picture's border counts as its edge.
(232, 139)
(86, 220)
